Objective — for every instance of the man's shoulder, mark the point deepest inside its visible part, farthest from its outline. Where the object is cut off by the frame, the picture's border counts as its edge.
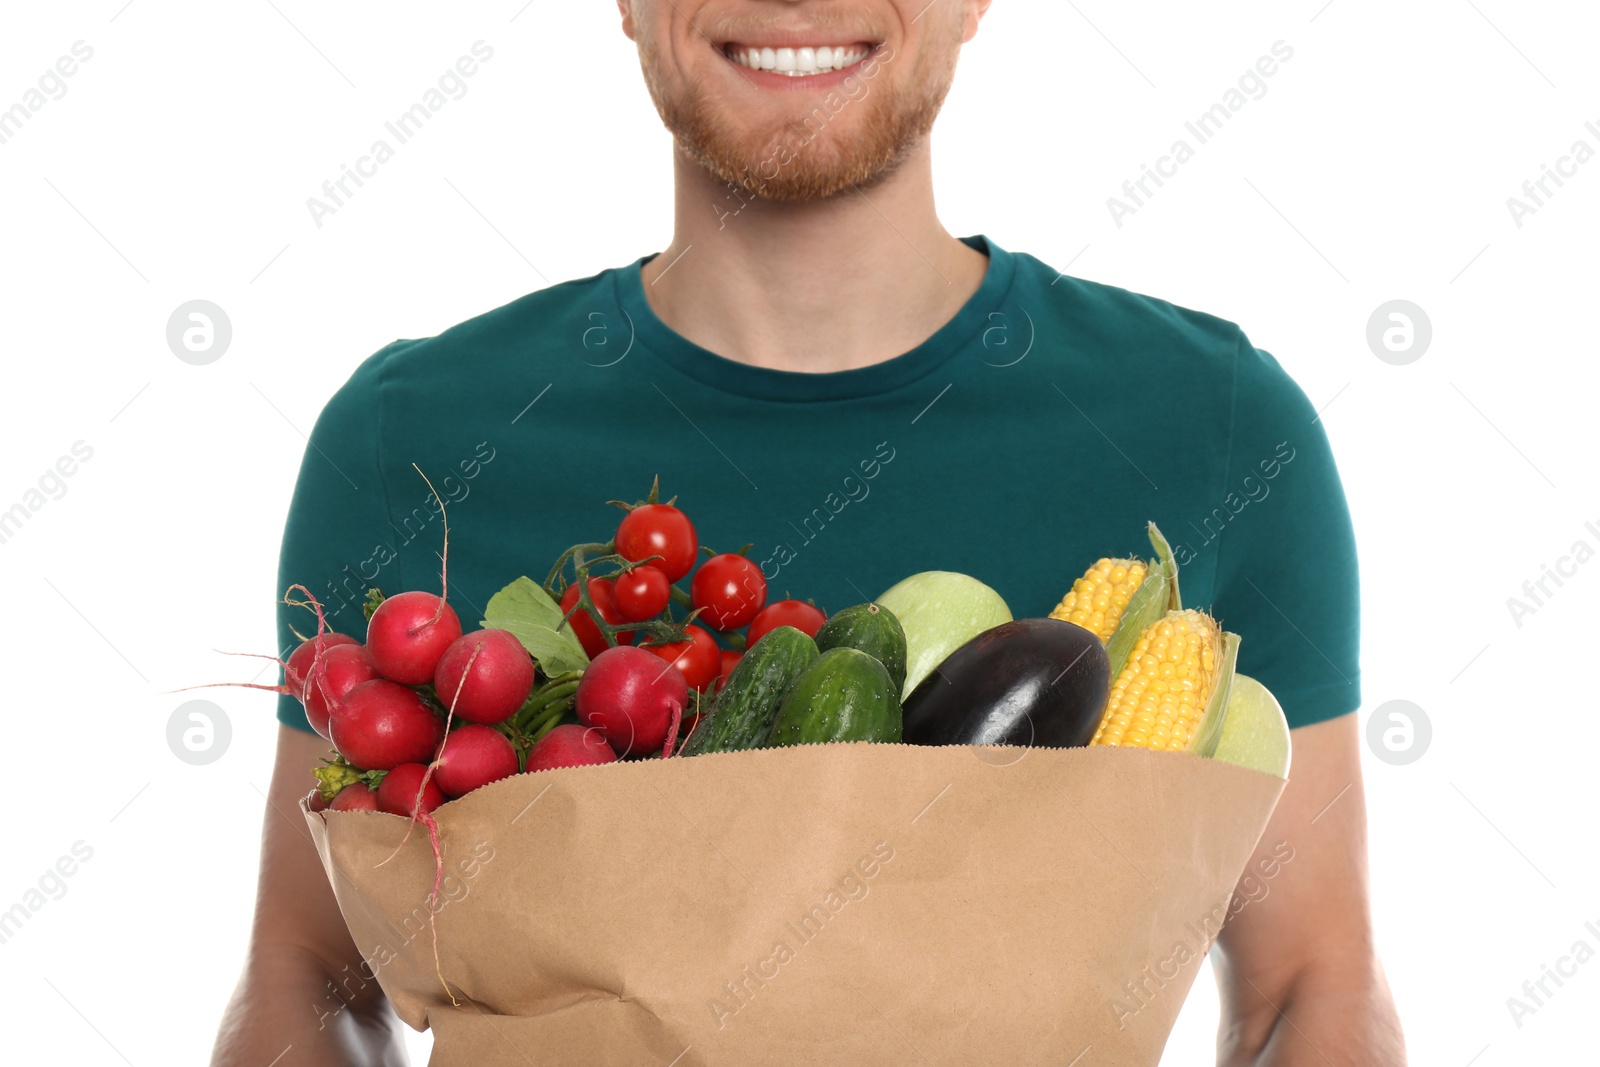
(554, 316)
(1123, 324)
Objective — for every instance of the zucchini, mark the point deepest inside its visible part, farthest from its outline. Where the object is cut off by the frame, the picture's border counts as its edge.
(742, 713)
(873, 629)
(846, 695)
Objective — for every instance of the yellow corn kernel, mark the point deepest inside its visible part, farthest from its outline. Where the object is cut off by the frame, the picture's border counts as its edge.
(1097, 600)
(1160, 696)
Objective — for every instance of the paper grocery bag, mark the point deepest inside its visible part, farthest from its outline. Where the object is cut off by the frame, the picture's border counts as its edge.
(870, 904)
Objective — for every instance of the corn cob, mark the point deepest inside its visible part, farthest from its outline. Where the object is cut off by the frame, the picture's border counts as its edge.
(1118, 599)
(1172, 693)
(1097, 600)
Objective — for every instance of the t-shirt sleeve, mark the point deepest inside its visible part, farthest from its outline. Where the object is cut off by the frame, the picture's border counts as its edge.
(336, 519)
(1287, 579)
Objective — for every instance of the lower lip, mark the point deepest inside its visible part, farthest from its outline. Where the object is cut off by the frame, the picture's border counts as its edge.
(769, 79)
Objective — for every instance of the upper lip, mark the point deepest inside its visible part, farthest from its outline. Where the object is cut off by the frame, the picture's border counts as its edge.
(797, 39)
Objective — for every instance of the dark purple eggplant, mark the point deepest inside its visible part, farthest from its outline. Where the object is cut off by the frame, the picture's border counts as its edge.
(1034, 682)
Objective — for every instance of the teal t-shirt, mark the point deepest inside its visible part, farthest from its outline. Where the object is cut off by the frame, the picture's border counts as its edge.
(1035, 432)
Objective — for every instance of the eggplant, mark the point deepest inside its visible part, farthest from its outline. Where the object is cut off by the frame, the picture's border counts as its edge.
(1032, 682)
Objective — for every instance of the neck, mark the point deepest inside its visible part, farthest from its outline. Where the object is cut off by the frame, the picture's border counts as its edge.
(825, 286)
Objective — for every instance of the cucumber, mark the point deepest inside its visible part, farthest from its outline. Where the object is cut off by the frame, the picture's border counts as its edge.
(873, 629)
(741, 716)
(846, 695)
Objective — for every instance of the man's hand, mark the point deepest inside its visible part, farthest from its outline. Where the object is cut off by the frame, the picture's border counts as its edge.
(1300, 981)
(304, 985)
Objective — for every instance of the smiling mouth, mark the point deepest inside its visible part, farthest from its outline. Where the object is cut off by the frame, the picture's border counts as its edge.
(802, 62)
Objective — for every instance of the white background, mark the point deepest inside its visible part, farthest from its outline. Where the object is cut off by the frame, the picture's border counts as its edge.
(1378, 166)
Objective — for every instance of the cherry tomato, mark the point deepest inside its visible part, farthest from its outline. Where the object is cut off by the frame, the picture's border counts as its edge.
(797, 613)
(730, 659)
(659, 530)
(697, 659)
(731, 590)
(589, 636)
(642, 593)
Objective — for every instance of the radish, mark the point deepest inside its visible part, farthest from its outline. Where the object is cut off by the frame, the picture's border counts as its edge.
(473, 756)
(408, 633)
(335, 672)
(397, 793)
(355, 797)
(633, 698)
(382, 724)
(300, 660)
(570, 746)
(494, 686)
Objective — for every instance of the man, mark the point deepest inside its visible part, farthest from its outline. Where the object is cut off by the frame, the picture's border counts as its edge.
(812, 321)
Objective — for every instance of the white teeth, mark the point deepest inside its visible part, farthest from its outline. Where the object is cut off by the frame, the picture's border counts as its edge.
(799, 62)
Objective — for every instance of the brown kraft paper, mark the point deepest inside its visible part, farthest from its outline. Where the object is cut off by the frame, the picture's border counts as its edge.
(869, 904)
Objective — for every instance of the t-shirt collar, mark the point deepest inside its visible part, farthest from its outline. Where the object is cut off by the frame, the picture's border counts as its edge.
(765, 383)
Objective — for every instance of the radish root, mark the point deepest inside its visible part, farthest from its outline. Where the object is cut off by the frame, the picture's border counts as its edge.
(426, 818)
(444, 557)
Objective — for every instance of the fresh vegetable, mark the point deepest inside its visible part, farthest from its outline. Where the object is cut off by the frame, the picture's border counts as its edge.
(1173, 692)
(940, 611)
(659, 530)
(633, 698)
(298, 665)
(484, 676)
(730, 659)
(807, 618)
(1119, 599)
(846, 695)
(355, 797)
(698, 659)
(398, 793)
(408, 633)
(642, 593)
(873, 629)
(601, 592)
(572, 745)
(534, 616)
(339, 669)
(729, 589)
(1097, 600)
(1032, 682)
(473, 756)
(743, 714)
(381, 724)
(1255, 732)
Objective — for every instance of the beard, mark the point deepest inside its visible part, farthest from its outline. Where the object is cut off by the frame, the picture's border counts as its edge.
(846, 141)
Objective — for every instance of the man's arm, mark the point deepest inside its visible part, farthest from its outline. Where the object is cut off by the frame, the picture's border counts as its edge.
(1299, 978)
(303, 982)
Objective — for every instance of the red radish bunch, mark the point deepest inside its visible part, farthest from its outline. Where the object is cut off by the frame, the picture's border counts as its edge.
(356, 796)
(484, 675)
(408, 633)
(634, 699)
(473, 756)
(404, 786)
(421, 712)
(572, 745)
(330, 678)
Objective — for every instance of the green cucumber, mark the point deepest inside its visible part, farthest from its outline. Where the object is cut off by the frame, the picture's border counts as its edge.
(742, 713)
(873, 629)
(846, 695)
